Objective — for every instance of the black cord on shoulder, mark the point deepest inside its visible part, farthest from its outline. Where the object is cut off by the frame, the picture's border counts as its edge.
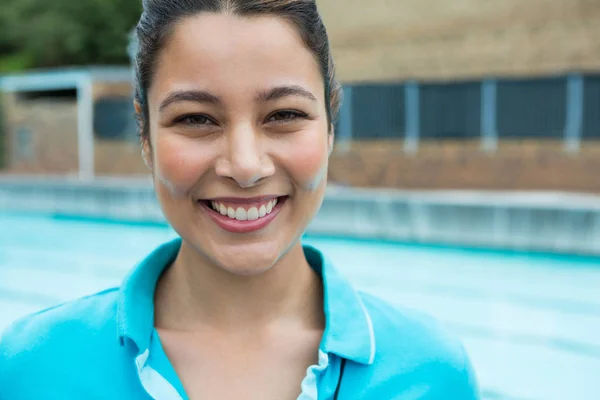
(339, 384)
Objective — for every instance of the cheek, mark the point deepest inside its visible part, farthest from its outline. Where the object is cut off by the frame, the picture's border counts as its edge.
(178, 163)
(309, 160)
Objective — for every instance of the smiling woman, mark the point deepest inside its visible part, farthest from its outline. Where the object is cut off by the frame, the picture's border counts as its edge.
(236, 101)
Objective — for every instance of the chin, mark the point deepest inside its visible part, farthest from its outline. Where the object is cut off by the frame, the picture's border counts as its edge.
(248, 259)
(244, 268)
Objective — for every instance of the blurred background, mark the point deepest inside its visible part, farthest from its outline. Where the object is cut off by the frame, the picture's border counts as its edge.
(464, 181)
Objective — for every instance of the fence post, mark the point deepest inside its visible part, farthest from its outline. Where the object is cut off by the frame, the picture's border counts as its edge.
(85, 128)
(411, 117)
(344, 132)
(489, 130)
(574, 113)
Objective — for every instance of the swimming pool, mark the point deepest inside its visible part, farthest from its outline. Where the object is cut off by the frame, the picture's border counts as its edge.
(531, 323)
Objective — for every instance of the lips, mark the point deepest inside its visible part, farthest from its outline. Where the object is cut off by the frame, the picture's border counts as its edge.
(243, 215)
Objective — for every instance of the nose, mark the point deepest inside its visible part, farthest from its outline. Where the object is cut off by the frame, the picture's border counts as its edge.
(244, 159)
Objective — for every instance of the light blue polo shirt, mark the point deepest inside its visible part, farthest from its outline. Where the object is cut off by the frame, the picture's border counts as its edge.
(104, 346)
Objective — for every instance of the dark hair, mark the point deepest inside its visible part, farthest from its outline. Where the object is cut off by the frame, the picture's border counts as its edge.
(159, 18)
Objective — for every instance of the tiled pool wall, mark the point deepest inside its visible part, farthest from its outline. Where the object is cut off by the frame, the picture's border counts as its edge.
(554, 222)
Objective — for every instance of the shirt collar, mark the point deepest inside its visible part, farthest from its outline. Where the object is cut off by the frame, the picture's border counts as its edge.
(135, 310)
(348, 327)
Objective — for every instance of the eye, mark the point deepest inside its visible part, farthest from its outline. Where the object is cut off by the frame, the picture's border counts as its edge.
(194, 120)
(285, 116)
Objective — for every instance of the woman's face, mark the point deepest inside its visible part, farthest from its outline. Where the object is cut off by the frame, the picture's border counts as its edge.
(239, 140)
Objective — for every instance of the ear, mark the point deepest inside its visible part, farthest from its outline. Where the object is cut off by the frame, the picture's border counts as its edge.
(330, 137)
(137, 107)
(146, 149)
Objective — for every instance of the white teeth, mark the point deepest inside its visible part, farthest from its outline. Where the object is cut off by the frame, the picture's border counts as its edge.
(231, 213)
(252, 214)
(240, 214)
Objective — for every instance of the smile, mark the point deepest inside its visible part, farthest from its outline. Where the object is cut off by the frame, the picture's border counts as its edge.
(243, 215)
(244, 212)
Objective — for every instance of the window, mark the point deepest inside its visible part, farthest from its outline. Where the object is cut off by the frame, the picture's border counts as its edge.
(450, 111)
(114, 118)
(591, 107)
(532, 108)
(378, 111)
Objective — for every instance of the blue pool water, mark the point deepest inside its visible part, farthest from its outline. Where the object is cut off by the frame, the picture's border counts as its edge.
(531, 323)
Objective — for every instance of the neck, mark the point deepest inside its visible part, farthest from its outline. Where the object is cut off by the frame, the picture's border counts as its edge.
(192, 294)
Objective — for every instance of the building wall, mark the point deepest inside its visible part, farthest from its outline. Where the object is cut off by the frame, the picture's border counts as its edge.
(51, 130)
(396, 40)
(517, 165)
(434, 39)
(41, 135)
(119, 158)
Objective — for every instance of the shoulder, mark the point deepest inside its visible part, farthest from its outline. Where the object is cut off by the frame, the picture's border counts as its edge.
(414, 343)
(402, 328)
(49, 325)
(58, 337)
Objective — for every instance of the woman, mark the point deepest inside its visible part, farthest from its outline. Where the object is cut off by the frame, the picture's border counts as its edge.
(235, 100)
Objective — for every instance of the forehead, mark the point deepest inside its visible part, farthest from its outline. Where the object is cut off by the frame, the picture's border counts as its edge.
(222, 52)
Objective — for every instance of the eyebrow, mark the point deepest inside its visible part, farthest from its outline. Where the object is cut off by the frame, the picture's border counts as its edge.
(285, 91)
(201, 96)
(198, 96)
